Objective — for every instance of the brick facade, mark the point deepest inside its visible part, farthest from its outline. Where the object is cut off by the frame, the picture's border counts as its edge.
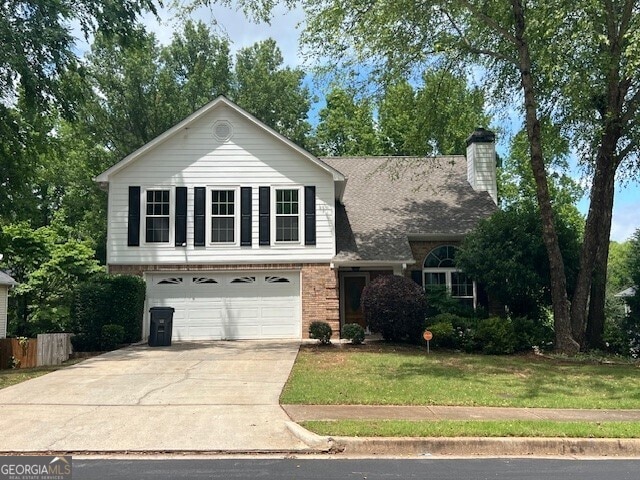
(320, 297)
(318, 283)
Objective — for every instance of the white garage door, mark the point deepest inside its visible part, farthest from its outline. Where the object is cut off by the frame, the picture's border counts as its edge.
(229, 305)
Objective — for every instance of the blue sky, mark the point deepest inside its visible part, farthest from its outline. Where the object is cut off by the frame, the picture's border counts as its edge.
(285, 29)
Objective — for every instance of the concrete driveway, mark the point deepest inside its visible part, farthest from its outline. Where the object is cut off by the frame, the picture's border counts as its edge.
(212, 396)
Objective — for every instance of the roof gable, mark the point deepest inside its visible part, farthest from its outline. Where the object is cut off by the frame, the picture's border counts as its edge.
(105, 176)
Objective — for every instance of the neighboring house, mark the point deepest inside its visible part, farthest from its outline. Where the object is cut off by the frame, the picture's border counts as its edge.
(6, 282)
(247, 235)
(624, 295)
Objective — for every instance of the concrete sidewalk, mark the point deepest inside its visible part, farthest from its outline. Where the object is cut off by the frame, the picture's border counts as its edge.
(301, 413)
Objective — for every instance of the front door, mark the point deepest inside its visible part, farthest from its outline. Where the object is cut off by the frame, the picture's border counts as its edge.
(352, 285)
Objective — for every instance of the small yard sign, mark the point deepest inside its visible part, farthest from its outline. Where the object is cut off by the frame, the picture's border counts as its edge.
(427, 335)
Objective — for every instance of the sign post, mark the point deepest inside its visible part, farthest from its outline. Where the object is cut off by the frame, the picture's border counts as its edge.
(427, 335)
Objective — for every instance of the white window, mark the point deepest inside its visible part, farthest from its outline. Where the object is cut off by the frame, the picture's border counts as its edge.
(288, 208)
(158, 214)
(439, 271)
(224, 213)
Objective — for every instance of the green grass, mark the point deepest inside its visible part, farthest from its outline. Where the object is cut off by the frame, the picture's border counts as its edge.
(13, 377)
(405, 375)
(474, 428)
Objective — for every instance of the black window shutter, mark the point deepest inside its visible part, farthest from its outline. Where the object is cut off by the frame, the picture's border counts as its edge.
(133, 228)
(309, 215)
(199, 207)
(416, 276)
(181, 216)
(245, 216)
(264, 214)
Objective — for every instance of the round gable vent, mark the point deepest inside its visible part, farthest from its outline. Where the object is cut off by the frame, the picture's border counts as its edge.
(222, 130)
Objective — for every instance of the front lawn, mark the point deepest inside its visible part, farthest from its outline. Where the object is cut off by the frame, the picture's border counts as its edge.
(379, 374)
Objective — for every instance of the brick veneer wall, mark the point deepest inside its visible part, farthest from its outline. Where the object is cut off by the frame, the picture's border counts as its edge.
(318, 281)
(320, 297)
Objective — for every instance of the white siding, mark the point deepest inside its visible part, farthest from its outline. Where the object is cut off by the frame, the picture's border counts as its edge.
(4, 293)
(481, 168)
(194, 158)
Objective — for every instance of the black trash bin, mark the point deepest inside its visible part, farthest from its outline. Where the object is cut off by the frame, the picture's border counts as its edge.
(161, 326)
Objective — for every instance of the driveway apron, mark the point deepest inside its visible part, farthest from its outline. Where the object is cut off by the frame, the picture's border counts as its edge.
(205, 396)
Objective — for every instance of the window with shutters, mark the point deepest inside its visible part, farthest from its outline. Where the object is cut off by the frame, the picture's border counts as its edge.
(224, 212)
(288, 209)
(157, 216)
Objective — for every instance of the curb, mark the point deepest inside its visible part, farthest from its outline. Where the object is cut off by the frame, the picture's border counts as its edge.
(500, 446)
(316, 443)
(468, 446)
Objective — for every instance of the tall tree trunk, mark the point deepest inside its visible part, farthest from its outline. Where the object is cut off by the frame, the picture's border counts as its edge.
(564, 340)
(596, 238)
(598, 225)
(597, 301)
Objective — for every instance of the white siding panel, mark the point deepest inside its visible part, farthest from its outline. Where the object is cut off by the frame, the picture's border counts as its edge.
(195, 158)
(4, 292)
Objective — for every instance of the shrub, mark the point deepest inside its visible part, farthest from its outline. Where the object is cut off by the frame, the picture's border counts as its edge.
(111, 336)
(441, 302)
(321, 331)
(531, 332)
(444, 335)
(395, 307)
(495, 336)
(353, 332)
(107, 299)
(127, 307)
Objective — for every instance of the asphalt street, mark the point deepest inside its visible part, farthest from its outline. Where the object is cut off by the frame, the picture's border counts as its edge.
(360, 469)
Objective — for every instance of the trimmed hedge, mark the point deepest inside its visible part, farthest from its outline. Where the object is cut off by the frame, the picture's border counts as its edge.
(321, 331)
(396, 307)
(107, 300)
(353, 332)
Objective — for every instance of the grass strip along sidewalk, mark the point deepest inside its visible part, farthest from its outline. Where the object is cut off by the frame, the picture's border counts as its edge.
(381, 374)
(473, 428)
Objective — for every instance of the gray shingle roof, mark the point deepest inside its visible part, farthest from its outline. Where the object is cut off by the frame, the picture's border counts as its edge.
(388, 198)
(6, 279)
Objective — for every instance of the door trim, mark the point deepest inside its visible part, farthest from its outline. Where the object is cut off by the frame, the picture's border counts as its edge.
(343, 275)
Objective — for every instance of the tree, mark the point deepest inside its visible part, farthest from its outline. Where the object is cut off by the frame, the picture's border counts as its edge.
(506, 254)
(128, 109)
(634, 270)
(619, 273)
(195, 69)
(38, 49)
(47, 263)
(434, 119)
(574, 62)
(346, 125)
(271, 92)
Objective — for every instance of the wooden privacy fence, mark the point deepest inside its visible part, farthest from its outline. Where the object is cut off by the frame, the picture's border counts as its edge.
(46, 349)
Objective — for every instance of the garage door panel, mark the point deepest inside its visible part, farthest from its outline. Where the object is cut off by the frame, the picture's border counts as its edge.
(230, 305)
(276, 331)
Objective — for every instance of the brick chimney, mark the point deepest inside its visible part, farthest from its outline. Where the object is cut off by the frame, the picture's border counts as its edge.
(481, 162)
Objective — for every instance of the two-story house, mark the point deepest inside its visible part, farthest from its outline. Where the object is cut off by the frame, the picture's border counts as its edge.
(249, 236)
